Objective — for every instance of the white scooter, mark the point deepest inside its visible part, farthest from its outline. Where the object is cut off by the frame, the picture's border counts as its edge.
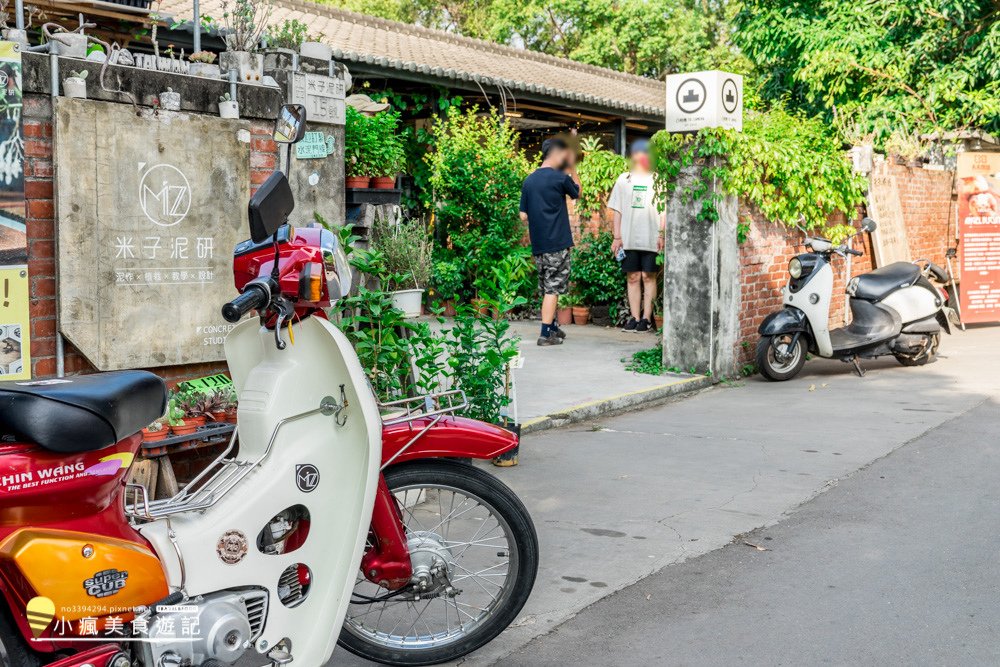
(895, 311)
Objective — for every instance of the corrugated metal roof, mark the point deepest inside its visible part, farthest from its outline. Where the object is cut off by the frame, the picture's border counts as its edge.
(398, 46)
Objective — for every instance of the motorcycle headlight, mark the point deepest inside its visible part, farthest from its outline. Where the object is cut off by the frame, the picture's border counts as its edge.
(795, 268)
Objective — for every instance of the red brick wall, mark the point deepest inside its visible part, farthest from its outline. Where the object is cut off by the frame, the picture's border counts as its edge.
(927, 210)
(42, 229)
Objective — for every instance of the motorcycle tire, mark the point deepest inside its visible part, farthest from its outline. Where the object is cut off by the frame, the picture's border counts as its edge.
(771, 368)
(924, 358)
(14, 651)
(487, 489)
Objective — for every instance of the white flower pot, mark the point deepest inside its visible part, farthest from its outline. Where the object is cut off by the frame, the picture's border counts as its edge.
(170, 100)
(317, 50)
(229, 109)
(408, 301)
(249, 66)
(75, 87)
(205, 70)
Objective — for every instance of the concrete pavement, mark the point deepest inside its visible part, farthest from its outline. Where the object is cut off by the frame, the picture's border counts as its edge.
(895, 566)
(619, 499)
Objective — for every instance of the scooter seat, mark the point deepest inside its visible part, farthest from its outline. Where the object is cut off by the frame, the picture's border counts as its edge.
(878, 284)
(81, 413)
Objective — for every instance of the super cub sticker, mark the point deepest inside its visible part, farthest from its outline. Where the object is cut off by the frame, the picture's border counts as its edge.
(64, 472)
(105, 583)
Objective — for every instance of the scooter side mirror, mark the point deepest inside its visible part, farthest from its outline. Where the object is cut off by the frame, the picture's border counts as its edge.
(868, 225)
(290, 126)
(270, 207)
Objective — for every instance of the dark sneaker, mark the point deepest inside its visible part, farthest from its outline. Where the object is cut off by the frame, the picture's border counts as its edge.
(643, 326)
(558, 332)
(631, 325)
(551, 339)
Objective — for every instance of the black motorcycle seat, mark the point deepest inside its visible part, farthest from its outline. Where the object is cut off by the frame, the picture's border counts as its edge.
(878, 284)
(81, 413)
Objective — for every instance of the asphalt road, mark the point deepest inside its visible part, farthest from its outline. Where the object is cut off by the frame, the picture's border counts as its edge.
(896, 565)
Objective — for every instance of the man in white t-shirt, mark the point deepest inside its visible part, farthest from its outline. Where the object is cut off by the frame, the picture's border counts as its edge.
(638, 227)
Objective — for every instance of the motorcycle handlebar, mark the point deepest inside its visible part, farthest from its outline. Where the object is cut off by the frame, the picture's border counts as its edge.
(937, 272)
(255, 296)
(852, 251)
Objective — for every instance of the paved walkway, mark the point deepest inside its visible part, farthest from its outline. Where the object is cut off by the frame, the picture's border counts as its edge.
(617, 499)
(585, 376)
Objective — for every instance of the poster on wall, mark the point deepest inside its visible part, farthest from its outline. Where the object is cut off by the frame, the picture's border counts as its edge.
(979, 236)
(15, 356)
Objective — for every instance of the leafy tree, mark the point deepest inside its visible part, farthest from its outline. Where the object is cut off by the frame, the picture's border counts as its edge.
(873, 65)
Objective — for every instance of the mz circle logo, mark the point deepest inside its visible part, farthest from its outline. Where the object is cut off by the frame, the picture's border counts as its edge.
(164, 194)
(105, 583)
(306, 477)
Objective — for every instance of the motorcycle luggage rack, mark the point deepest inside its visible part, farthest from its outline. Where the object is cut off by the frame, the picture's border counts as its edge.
(212, 483)
(432, 407)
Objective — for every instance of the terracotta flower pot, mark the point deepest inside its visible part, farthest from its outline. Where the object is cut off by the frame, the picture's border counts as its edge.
(219, 416)
(564, 315)
(658, 321)
(231, 416)
(357, 182)
(184, 429)
(197, 421)
(384, 182)
(449, 308)
(581, 314)
(154, 436)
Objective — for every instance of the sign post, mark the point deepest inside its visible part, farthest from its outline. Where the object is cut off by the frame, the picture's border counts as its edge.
(704, 99)
(979, 236)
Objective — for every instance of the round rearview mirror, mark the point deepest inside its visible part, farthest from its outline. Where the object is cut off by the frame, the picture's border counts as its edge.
(290, 126)
(868, 225)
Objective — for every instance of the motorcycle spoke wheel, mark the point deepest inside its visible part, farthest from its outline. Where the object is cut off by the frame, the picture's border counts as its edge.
(466, 530)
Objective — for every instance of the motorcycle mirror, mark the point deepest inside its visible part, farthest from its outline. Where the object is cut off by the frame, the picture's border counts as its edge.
(868, 225)
(290, 126)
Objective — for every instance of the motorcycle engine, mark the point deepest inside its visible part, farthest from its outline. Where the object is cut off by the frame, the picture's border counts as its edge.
(220, 626)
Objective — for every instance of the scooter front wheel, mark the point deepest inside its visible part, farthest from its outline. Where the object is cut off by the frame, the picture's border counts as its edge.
(781, 357)
(475, 537)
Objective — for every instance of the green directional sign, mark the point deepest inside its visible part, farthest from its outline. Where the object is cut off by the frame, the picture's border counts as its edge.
(314, 146)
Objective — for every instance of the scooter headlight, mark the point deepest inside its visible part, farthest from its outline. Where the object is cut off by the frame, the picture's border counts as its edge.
(795, 268)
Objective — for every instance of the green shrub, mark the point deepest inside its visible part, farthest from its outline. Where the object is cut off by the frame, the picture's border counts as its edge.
(406, 253)
(447, 279)
(372, 144)
(597, 278)
(598, 171)
(476, 171)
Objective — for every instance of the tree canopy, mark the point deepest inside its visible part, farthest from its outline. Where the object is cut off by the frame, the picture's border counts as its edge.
(872, 66)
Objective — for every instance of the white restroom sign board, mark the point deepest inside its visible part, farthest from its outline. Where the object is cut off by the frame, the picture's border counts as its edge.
(704, 99)
(322, 96)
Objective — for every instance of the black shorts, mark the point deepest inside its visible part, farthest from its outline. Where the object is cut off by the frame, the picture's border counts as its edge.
(640, 260)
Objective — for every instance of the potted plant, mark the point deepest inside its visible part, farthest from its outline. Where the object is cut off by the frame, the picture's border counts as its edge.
(155, 432)
(564, 311)
(75, 85)
(387, 155)
(357, 138)
(406, 253)
(905, 148)
(170, 100)
(203, 64)
(244, 23)
(658, 314)
(228, 107)
(447, 280)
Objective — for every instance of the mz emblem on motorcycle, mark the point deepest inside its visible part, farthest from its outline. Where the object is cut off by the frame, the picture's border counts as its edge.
(306, 477)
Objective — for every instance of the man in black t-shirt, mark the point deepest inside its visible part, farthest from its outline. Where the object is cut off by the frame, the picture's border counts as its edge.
(543, 207)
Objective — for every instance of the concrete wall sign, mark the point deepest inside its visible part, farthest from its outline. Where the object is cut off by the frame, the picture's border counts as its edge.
(704, 99)
(323, 97)
(889, 241)
(149, 211)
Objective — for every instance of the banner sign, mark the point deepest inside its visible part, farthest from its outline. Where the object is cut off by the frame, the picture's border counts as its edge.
(15, 322)
(979, 236)
(150, 208)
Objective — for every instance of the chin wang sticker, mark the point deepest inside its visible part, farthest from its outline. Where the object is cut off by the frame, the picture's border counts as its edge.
(232, 547)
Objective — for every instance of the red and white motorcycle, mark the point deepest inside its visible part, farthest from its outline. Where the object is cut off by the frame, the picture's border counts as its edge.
(334, 519)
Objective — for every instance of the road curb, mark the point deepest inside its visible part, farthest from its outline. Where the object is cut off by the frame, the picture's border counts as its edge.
(615, 404)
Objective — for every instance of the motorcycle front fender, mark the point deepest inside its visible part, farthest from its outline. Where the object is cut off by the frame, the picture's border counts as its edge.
(942, 317)
(786, 320)
(452, 437)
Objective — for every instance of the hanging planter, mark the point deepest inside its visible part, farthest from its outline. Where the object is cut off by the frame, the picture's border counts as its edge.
(228, 107)
(409, 301)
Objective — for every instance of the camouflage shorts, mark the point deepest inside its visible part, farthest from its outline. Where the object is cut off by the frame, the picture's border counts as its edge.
(553, 272)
